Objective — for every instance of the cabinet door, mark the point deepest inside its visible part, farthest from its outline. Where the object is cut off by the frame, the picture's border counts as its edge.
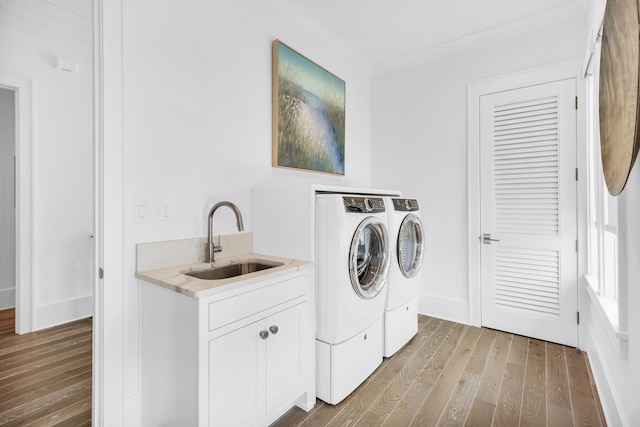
(236, 377)
(286, 355)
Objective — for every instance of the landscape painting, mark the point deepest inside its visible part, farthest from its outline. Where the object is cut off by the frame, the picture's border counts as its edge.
(308, 114)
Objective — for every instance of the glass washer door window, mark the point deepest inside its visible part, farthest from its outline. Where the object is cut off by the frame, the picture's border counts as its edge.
(369, 258)
(410, 245)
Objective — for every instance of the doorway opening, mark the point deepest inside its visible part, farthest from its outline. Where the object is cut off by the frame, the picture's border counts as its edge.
(55, 359)
(16, 199)
(7, 198)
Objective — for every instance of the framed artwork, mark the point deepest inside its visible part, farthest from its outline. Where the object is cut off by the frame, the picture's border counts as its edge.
(308, 114)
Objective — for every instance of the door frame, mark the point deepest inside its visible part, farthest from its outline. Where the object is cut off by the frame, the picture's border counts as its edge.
(555, 72)
(23, 90)
(97, 362)
(109, 401)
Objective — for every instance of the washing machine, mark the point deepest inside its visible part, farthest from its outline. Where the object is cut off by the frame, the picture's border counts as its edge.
(407, 251)
(352, 263)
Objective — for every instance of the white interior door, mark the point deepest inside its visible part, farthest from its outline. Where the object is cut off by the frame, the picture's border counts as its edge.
(528, 211)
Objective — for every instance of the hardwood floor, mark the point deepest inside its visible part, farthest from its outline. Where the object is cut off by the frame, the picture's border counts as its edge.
(454, 375)
(448, 375)
(45, 376)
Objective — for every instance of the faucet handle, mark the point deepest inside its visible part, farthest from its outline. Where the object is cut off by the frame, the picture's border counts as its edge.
(218, 247)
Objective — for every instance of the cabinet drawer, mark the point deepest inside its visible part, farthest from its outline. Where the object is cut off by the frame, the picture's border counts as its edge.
(238, 307)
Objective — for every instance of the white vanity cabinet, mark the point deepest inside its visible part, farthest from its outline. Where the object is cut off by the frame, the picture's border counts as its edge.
(253, 371)
(238, 357)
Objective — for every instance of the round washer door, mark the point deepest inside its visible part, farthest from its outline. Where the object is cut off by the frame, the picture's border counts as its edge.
(410, 245)
(369, 258)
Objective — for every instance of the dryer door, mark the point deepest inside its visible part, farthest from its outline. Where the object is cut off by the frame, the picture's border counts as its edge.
(369, 258)
(410, 245)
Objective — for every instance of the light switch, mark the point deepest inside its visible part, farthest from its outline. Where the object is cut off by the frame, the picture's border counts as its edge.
(141, 212)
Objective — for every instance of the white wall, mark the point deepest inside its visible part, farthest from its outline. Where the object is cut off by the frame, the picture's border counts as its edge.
(198, 108)
(419, 146)
(197, 123)
(7, 210)
(629, 227)
(62, 164)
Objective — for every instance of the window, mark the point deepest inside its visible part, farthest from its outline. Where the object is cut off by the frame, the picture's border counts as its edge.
(602, 268)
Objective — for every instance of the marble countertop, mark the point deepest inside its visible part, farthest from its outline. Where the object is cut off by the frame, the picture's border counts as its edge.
(175, 279)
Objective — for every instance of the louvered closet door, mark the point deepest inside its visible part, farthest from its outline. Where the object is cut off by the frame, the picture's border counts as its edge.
(528, 207)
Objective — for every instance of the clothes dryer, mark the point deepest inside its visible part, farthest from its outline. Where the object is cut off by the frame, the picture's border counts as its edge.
(352, 263)
(407, 251)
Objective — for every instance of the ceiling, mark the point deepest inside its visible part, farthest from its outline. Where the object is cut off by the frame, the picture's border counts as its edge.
(387, 31)
(66, 18)
(385, 34)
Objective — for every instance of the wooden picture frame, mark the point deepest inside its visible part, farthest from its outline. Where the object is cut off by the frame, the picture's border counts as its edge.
(308, 114)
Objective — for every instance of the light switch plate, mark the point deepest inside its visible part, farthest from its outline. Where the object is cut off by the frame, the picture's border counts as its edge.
(141, 211)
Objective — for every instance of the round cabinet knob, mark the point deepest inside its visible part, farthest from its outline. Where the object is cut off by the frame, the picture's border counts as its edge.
(273, 329)
(264, 334)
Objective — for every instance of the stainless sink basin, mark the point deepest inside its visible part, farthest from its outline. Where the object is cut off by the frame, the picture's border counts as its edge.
(239, 268)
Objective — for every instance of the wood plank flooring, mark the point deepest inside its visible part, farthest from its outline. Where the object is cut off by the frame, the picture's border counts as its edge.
(448, 375)
(45, 376)
(456, 375)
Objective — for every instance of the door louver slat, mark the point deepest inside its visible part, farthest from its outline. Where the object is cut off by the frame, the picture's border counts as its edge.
(527, 171)
(527, 123)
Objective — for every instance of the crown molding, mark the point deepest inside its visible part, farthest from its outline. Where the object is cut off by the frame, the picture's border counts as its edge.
(523, 26)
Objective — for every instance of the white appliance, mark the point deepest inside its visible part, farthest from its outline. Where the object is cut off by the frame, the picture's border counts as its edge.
(407, 250)
(352, 262)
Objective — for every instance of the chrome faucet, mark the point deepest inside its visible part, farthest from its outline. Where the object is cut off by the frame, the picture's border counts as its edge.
(211, 248)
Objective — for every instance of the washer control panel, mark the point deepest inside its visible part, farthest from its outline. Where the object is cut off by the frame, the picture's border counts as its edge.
(363, 204)
(405, 205)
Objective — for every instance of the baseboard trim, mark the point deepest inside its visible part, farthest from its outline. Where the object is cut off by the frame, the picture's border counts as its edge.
(609, 399)
(443, 308)
(63, 312)
(7, 298)
(606, 395)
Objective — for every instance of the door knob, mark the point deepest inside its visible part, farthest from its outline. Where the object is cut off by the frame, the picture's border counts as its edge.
(264, 334)
(486, 239)
(273, 329)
